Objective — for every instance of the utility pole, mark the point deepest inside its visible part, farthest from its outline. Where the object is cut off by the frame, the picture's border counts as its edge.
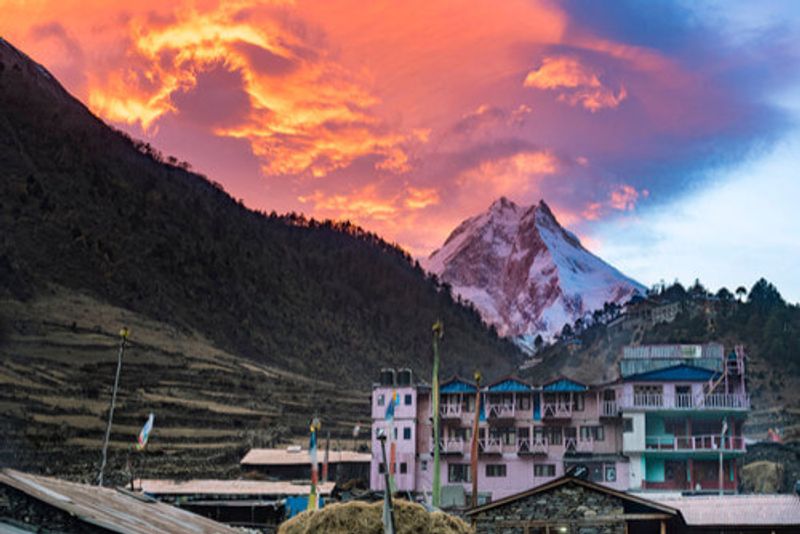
(388, 506)
(123, 338)
(474, 450)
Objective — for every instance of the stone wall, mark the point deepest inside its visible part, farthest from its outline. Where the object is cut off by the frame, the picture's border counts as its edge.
(585, 511)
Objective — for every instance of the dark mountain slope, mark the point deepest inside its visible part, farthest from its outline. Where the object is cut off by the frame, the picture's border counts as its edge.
(85, 207)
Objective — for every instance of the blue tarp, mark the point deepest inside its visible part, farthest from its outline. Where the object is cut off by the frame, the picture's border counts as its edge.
(677, 373)
(298, 503)
(509, 386)
(565, 384)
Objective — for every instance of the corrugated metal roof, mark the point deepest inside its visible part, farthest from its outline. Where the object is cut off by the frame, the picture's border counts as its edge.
(229, 487)
(708, 350)
(676, 373)
(637, 366)
(509, 384)
(112, 509)
(564, 384)
(738, 510)
(300, 457)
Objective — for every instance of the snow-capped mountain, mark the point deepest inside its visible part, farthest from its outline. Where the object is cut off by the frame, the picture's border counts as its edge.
(525, 273)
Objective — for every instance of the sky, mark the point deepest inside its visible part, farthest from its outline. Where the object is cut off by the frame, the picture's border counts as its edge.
(665, 134)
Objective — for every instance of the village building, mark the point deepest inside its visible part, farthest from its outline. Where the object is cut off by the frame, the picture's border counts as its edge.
(660, 427)
(239, 503)
(570, 505)
(30, 503)
(293, 463)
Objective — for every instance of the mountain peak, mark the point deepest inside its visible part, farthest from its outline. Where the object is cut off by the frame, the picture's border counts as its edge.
(524, 272)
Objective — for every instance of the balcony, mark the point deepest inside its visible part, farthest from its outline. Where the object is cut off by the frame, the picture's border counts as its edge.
(528, 446)
(556, 410)
(450, 411)
(490, 446)
(500, 411)
(450, 446)
(685, 401)
(706, 442)
(609, 409)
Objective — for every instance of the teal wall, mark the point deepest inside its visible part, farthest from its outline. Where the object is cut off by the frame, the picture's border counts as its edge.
(655, 430)
(654, 470)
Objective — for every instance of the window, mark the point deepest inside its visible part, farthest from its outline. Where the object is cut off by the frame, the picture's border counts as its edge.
(495, 470)
(611, 473)
(553, 435)
(423, 465)
(592, 433)
(381, 468)
(544, 470)
(523, 401)
(577, 402)
(381, 399)
(458, 473)
(394, 433)
(468, 404)
(403, 468)
(408, 399)
(407, 432)
(627, 424)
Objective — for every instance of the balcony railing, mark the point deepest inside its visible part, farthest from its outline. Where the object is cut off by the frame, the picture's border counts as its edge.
(450, 410)
(609, 409)
(500, 411)
(585, 445)
(490, 446)
(450, 445)
(686, 401)
(706, 442)
(556, 410)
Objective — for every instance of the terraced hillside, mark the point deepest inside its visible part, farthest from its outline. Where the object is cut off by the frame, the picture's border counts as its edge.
(57, 364)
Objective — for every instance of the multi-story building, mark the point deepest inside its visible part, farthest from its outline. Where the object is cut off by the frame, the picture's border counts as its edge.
(682, 409)
(657, 427)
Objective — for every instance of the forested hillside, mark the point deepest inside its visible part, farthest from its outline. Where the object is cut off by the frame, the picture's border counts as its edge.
(87, 208)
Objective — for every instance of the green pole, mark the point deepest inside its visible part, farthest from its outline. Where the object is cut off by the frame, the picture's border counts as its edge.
(438, 332)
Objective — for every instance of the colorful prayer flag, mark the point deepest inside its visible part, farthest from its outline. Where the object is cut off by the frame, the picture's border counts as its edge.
(144, 433)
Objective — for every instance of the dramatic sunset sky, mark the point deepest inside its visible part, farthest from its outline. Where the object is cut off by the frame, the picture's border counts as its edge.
(664, 134)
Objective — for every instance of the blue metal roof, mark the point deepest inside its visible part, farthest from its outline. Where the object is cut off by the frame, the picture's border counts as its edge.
(677, 373)
(457, 386)
(564, 384)
(509, 384)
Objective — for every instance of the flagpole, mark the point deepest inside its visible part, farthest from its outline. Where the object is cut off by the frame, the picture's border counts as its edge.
(438, 332)
(474, 450)
(123, 335)
(312, 453)
(388, 506)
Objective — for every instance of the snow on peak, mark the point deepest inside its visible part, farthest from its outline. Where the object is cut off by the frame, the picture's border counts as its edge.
(524, 272)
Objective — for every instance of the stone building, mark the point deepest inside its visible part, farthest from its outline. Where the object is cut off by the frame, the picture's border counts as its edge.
(571, 505)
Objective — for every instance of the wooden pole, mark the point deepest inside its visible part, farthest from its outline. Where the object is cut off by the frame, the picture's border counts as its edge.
(123, 334)
(474, 450)
(438, 332)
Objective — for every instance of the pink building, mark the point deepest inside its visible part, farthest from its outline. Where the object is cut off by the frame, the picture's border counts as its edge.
(532, 433)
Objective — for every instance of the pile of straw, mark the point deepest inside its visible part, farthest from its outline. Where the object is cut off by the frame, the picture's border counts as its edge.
(358, 517)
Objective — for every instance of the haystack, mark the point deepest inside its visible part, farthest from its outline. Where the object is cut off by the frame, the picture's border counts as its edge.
(358, 517)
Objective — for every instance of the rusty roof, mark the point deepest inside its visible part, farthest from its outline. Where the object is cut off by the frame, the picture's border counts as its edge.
(300, 457)
(229, 487)
(112, 509)
(737, 510)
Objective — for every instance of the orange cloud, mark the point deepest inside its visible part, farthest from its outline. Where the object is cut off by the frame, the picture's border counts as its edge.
(623, 198)
(309, 114)
(513, 176)
(583, 84)
(369, 204)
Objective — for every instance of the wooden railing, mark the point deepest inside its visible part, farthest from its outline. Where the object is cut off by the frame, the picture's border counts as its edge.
(686, 401)
(450, 445)
(500, 410)
(490, 445)
(706, 442)
(609, 409)
(556, 410)
(450, 410)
